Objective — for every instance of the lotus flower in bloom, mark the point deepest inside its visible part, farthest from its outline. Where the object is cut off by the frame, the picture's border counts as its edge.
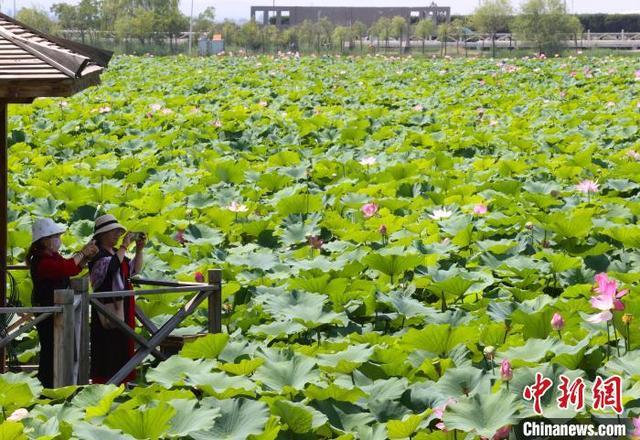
(608, 298)
(636, 427)
(506, 372)
(105, 109)
(418, 108)
(480, 209)
(557, 322)
(369, 210)
(637, 75)
(633, 155)
(199, 277)
(587, 186)
(155, 107)
(441, 213)
(438, 412)
(18, 415)
(237, 207)
(368, 161)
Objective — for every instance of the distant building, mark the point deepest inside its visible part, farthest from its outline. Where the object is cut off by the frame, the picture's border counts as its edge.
(283, 16)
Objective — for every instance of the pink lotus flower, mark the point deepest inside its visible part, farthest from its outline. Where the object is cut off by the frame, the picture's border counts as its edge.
(18, 415)
(480, 209)
(237, 207)
(418, 108)
(155, 107)
(263, 103)
(438, 412)
(506, 372)
(608, 294)
(557, 322)
(637, 75)
(105, 109)
(179, 237)
(633, 155)
(368, 161)
(587, 186)
(315, 242)
(636, 427)
(502, 433)
(199, 277)
(369, 210)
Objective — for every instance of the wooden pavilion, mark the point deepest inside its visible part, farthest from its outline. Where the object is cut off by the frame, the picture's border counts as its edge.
(32, 65)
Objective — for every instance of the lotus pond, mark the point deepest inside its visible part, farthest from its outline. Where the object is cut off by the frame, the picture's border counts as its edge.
(404, 243)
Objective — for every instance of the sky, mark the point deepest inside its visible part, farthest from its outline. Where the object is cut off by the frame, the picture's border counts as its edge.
(239, 9)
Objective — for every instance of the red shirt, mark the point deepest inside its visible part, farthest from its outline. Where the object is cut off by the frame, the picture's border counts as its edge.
(54, 266)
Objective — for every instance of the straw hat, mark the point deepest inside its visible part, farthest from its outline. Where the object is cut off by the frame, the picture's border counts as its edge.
(106, 223)
(45, 227)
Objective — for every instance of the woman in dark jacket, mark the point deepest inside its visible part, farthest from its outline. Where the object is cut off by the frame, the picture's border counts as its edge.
(50, 271)
(111, 270)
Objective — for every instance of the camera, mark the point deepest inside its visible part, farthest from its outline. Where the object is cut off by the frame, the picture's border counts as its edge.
(138, 235)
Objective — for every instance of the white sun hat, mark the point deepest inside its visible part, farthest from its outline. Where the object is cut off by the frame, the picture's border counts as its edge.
(45, 227)
(106, 223)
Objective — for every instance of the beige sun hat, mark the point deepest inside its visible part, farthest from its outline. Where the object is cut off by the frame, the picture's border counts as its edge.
(106, 223)
(45, 227)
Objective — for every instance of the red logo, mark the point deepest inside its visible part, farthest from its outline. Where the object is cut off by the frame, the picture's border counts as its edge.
(606, 393)
(537, 390)
(571, 393)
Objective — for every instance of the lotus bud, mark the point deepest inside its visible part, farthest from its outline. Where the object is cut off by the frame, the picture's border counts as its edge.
(199, 277)
(505, 370)
(383, 229)
(18, 415)
(528, 225)
(489, 352)
(557, 322)
(315, 242)
(627, 318)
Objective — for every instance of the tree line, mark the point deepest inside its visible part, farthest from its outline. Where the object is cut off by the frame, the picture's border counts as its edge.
(545, 23)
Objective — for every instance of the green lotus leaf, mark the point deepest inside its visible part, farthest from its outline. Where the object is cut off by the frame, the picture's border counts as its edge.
(152, 423)
(239, 418)
(88, 431)
(97, 399)
(188, 418)
(293, 373)
(205, 347)
(12, 431)
(481, 414)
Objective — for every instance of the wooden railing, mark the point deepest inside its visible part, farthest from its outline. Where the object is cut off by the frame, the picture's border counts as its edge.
(72, 306)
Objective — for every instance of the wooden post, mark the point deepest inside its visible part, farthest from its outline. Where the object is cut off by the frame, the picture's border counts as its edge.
(3, 216)
(80, 288)
(214, 302)
(63, 343)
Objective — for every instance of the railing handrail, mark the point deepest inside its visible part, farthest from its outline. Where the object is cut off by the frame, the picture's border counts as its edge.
(127, 293)
(149, 282)
(43, 309)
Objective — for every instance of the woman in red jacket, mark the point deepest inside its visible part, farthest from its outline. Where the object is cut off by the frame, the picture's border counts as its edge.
(51, 271)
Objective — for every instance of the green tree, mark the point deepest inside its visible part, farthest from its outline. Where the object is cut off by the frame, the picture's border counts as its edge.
(397, 28)
(545, 23)
(458, 31)
(38, 19)
(250, 35)
(138, 25)
(359, 31)
(306, 34)
(340, 35)
(443, 35)
(424, 30)
(323, 29)
(204, 23)
(491, 17)
(381, 29)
